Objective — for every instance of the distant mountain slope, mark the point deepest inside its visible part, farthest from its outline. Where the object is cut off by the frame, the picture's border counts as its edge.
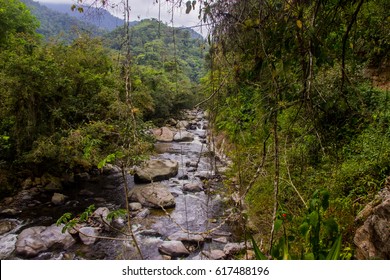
(54, 23)
(155, 44)
(98, 17)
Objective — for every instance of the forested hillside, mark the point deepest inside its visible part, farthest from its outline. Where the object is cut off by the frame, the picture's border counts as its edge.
(61, 25)
(100, 18)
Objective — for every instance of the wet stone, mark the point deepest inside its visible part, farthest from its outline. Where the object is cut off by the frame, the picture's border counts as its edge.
(6, 226)
(193, 187)
(156, 170)
(214, 254)
(89, 235)
(135, 206)
(152, 195)
(143, 214)
(58, 199)
(173, 249)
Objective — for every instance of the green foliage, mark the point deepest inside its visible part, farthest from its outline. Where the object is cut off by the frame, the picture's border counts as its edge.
(15, 19)
(120, 213)
(317, 237)
(259, 255)
(291, 92)
(70, 222)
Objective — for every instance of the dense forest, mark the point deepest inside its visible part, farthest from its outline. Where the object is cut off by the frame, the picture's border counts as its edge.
(65, 105)
(297, 94)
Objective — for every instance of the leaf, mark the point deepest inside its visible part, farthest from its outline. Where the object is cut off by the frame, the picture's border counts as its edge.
(80, 9)
(64, 219)
(278, 224)
(258, 254)
(108, 159)
(334, 252)
(313, 218)
(304, 228)
(299, 24)
(73, 7)
(116, 214)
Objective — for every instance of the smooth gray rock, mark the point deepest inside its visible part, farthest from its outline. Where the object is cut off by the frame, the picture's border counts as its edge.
(35, 240)
(182, 125)
(58, 199)
(30, 243)
(173, 249)
(156, 170)
(193, 187)
(135, 206)
(163, 134)
(183, 136)
(89, 235)
(152, 195)
(53, 235)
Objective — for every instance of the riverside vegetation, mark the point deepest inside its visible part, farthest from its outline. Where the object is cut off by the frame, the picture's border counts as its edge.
(298, 95)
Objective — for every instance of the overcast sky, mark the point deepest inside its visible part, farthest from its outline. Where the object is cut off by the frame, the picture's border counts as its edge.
(142, 9)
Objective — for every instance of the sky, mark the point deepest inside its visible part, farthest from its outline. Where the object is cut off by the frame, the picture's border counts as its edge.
(142, 9)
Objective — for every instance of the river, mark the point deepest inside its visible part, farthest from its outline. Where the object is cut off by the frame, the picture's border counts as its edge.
(204, 211)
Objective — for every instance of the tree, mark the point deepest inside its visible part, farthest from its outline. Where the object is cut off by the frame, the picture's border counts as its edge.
(15, 18)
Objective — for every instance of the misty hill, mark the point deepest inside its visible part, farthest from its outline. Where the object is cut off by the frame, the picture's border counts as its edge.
(53, 24)
(100, 18)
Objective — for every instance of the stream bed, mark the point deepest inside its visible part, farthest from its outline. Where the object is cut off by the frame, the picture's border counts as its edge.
(203, 212)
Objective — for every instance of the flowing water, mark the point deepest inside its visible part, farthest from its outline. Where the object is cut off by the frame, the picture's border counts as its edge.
(194, 212)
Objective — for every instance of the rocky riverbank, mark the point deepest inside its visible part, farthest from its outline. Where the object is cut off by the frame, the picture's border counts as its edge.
(177, 206)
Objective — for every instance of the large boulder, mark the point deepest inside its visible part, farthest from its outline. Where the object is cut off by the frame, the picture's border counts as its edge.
(35, 240)
(163, 134)
(30, 243)
(193, 187)
(183, 136)
(156, 170)
(173, 249)
(372, 239)
(182, 125)
(152, 195)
